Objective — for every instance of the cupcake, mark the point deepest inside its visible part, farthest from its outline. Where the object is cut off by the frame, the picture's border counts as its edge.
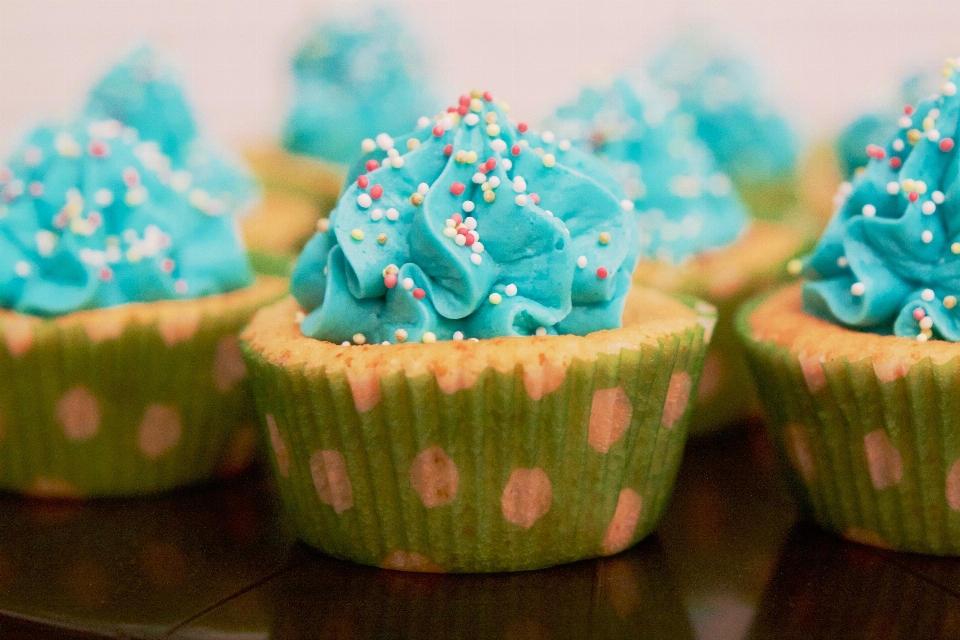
(696, 237)
(120, 295)
(724, 95)
(464, 379)
(857, 365)
(353, 78)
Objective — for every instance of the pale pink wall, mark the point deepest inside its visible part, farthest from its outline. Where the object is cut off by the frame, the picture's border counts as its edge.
(827, 59)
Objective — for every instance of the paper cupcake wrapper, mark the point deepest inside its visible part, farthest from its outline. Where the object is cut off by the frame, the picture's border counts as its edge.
(770, 199)
(271, 264)
(496, 476)
(128, 400)
(872, 451)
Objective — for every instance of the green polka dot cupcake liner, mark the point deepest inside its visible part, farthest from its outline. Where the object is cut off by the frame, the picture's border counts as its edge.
(460, 456)
(865, 427)
(127, 400)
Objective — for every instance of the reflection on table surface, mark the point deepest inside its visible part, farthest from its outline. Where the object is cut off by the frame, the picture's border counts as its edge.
(728, 562)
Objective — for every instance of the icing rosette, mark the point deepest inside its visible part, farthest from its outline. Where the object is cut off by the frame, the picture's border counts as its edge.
(684, 203)
(354, 78)
(143, 92)
(91, 216)
(473, 228)
(889, 262)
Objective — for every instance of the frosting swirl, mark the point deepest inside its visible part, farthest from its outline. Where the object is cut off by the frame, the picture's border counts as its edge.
(684, 204)
(889, 261)
(353, 79)
(92, 217)
(480, 229)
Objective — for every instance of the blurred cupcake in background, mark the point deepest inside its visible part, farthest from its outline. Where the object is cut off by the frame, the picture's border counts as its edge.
(724, 94)
(696, 236)
(123, 281)
(354, 78)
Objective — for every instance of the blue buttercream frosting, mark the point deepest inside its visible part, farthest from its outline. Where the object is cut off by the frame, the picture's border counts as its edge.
(353, 80)
(889, 261)
(724, 94)
(469, 227)
(684, 203)
(143, 92)
(91, 216)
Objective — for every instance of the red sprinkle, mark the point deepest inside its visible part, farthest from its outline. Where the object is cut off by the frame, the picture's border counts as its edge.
(451, 109)
(438, 130)
(515, 150)
(491, 164)
(465, 100)
(457, 218)
(602, 272)
(376, 191)
(463, 109)
(470, 239)
(875, 152)
(482, 168)
(913, 196)
(419, 293)
(448, 149)
(363, 182)
(390, 280)
(457, 188)
(946, 144)
(919, 314)
(372, 165)
(463, 231)
(535, 198)
(488, 96)
(522, 127)
(895, 162)
(908, 109)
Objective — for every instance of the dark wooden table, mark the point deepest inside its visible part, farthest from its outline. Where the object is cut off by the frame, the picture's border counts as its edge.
(729, 561)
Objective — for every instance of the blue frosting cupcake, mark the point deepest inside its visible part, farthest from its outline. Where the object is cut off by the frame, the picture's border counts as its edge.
(450, 239)
(684, 203)
(352, 80)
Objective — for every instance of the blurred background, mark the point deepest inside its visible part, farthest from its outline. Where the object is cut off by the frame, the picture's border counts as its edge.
(826, 60)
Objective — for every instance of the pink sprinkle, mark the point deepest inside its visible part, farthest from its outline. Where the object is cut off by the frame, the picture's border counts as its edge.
(895, 162)
(488, 96)
(131, 177)
(447, 150)
(363, 181)
(106, 274)
(463, 231)
(372, 165)
(602, 272)
(376, 191)
(95, 218)
(919, 314)
(515, 150)
(5, 175)
(390, 280)
(464, 100)
(463, 109)
(491, 164)
(60, 220)
(438, 130)
(98, 149)
(535, 198)
(482, 168)
(36, 189)
(876, 152)
(167, 265)
(457, 218)
(419, 293)
(457, 188)
(522, 127)
(451, 109)
(946, 144)
(908, 109)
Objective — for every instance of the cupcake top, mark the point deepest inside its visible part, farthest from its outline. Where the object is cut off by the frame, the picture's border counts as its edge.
(724, 93)
(889, 261)
(875, 128)
(143, 92)
(470, 227)
(352, 80)
(684, 203)
(91, 216)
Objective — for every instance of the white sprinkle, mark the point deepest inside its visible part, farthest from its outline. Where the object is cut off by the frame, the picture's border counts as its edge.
(921, 337)
(458, 335)
(928, 207)
(22, 268)
(521, 200)
(506, 164)
(495, 298)
(392, 214)
(407, 283)
(477, 247)
(948, 88)
(470, 223)
(400, 335)
(842, 262)
(323, 225)
(422, 122)
(460, 239)
(385, 142)
(541, 331)
(367, 145)
(429, 336)
(364, 200)
(468, 206)
(898, 145)
(474, 234)
(494, 181)
(359, 338)
(423, 188)
(564, 146)
(626, 205)
(510, 290)
(933, 135)
(582, 262)
(869, 210)
(519, 184)
(857, 288)
(498, 145)
(478, 178)
(937, 197)
(376, 214)
(385, 342)
(893, 188)
(397, 162)
(547, 136)
(926, 323)
(392, 153)
(476, 258)
(846, 188)
(548, 213)
(920, 186)
(904, 122)
(345, 343)
(927, 236)
(471, 119)
(103, 197)
(299, 317)
(927, 294)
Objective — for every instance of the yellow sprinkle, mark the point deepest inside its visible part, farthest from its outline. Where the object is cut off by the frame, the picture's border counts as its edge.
(416, 199)
(357, 234)
(794, 267)
(491, 117)
(486, 186)
(524, 143)
(495, 298)
(955, 247)
(460, 156)
(909, 185)
(490, 196)
(504, 106)
(913, 136)
(493, 130)
(476, 105)
(413, 143)
(359, 338)
(549, 160)
(605, 237)
(950, 302)
(471, 157)
(429, 336)
(927, 123)
(382, 238)
(476, 93)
